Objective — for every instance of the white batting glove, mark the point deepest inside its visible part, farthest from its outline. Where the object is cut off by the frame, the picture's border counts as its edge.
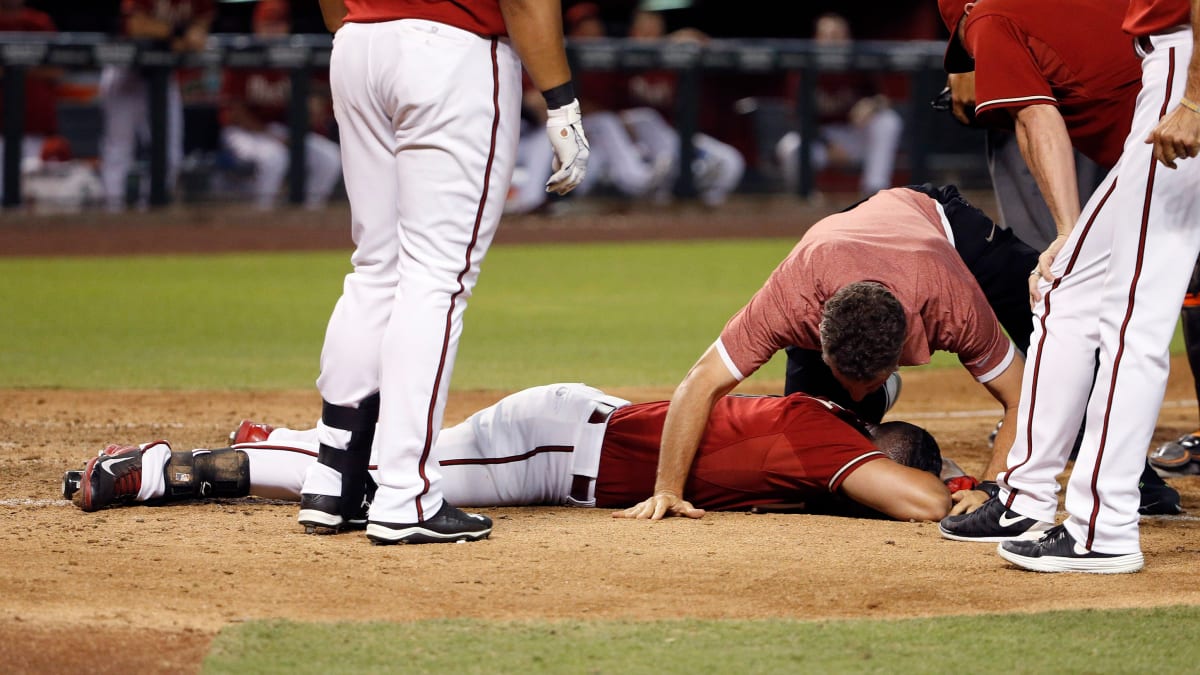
(564, 126)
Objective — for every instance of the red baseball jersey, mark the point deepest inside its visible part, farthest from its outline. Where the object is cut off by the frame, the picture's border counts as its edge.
(478, 16)
(756, 451)
(174, 12)
(41, 112)
(1147, 17)
(897, 238)
(1024, 57)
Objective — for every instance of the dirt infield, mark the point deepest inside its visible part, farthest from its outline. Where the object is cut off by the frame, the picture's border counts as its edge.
(145, 589)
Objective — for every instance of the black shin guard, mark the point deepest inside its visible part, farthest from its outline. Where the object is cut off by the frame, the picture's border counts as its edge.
(352, 461)
(211, 473)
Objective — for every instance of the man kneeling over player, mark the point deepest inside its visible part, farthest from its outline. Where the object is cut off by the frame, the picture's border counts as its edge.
(571, 444)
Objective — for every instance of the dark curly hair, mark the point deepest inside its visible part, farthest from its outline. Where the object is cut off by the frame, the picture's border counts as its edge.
(862, 330)
(910, 445)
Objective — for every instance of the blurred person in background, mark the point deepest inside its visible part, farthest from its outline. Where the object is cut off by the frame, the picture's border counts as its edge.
(717, 167)
(181, 25)
(855, 120)
(41, 82)
(617, 161)
(254, 111)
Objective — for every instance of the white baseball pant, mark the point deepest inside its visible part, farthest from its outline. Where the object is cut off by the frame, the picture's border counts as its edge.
(428, 118)
(524, 450)
(1121, 278)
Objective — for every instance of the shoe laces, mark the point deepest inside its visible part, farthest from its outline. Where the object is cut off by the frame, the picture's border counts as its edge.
(116, 449)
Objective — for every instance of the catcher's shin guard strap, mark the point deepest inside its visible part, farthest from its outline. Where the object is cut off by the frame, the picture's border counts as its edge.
(350, 419)
(181, 476)
(207, 473)
(223, 473)
(351, 462)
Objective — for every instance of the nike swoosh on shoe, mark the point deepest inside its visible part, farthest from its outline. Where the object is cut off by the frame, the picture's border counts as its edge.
(1005, 521)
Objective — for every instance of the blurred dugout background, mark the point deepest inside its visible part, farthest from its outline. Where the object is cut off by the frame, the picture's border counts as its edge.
(760, 76)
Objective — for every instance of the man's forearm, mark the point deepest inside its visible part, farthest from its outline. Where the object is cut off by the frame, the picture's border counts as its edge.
(683, 428)
(1046, 147)
(1000, 447)
(535, 27)
(1006, 389)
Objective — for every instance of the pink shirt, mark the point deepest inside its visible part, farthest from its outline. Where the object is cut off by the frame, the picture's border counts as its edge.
(899, 239)
(1024, 57)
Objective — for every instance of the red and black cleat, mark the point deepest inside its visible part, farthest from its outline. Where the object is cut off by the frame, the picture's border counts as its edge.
(113, 476)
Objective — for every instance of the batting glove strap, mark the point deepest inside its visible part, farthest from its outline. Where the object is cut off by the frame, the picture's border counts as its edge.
(990, 487)
(564, 126)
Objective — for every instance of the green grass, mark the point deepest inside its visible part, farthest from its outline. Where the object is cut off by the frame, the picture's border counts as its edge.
(609, 314)
(1128, 641)
(635, 314)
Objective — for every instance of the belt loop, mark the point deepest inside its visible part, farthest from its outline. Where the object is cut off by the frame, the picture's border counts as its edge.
(602, 412)
(585, 460)
(582, 493)
(1144, 45)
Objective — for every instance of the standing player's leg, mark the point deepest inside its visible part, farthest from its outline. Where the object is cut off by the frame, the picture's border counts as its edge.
(1148, 278)
(349, 382)
(452, 180)
(1060, 365)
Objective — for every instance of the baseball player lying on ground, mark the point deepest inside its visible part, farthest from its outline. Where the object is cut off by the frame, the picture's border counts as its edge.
(571, 444)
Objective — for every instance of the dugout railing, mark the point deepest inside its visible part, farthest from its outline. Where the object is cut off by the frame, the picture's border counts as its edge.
(920, 61)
